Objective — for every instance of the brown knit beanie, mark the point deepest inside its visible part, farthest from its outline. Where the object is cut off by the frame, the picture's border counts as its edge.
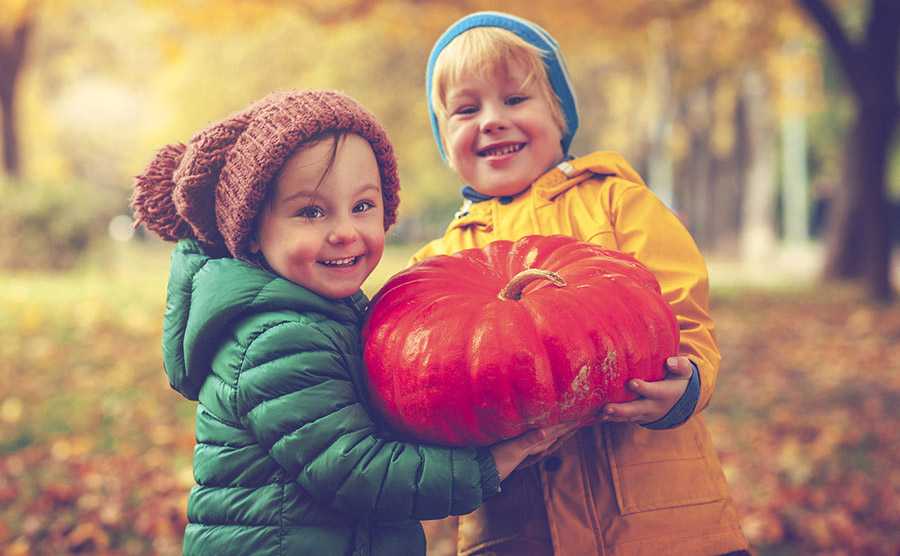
(212, 189)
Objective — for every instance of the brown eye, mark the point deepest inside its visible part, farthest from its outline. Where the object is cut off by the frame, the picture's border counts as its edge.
(311, 212)
(363, 206)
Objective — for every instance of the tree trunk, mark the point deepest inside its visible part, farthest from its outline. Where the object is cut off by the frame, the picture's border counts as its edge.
(859, 244)
(10, 140)
(725, 191)
(660, 167)
(794, 176)
(758, 235)
(12, 55)
(694, 172)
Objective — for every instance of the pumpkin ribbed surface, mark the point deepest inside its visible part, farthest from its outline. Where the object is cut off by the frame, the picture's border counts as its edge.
(476, 347)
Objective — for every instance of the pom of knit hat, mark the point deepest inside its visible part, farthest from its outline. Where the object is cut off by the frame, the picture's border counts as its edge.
(152, 200)
(198, 176)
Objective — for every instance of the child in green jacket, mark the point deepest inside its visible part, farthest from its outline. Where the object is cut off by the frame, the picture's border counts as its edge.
(280, 213)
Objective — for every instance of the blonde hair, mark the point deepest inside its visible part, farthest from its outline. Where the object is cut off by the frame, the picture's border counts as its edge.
(485, 51)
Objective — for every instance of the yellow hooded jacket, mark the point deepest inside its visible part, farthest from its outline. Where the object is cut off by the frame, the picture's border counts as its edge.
(615, 488)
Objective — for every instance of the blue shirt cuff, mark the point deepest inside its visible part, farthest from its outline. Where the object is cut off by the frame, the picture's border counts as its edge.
(683, 408)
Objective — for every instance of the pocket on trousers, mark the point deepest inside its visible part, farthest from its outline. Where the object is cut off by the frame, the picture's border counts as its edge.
(653, 470)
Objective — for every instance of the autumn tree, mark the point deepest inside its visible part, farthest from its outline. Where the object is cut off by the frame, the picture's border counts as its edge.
(859, 242)
(15, 32)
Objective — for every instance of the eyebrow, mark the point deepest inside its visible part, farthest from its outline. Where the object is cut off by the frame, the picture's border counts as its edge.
(368, 187)
(299, 194)
(312, 195)
(510, 84)
(461, 93)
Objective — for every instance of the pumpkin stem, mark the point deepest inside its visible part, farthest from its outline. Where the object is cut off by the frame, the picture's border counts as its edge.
(513, 290)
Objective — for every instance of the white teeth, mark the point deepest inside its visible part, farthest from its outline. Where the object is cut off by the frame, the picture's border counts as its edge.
(340, 262)
(500, 151)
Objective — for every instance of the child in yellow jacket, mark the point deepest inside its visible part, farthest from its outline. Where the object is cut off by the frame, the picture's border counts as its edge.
(646, 479)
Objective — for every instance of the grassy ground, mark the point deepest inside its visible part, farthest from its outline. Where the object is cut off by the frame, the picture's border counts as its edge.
(95, 448)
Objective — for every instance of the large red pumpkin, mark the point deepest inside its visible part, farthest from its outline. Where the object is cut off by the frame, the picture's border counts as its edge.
(476, 347)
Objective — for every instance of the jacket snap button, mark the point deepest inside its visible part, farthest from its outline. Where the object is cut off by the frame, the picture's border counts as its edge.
(552, 463)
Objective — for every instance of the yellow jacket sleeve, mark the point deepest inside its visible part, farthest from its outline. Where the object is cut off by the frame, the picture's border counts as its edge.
(647, 229)
(432, 248)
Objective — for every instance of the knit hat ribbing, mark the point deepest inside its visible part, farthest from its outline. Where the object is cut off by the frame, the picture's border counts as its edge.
(531, 33)
(212, 189)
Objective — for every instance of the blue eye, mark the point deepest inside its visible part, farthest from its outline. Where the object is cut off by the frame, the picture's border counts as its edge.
(516, 99)
(363, 206)
(310, 212)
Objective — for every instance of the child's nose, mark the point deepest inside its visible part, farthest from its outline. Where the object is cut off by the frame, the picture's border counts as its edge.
(493, 120)
(493, 126)
(343, 232)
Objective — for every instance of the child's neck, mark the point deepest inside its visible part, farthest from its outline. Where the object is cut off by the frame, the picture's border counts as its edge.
(472, 194)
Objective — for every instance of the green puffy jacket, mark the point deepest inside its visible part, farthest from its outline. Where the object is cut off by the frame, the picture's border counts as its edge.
(288, 458)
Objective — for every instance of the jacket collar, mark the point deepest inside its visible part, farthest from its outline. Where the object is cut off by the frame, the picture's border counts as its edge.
(570, 173)
(206, 296)
(554, 182)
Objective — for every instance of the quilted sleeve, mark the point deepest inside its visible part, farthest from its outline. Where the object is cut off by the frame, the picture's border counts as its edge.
(296, 397)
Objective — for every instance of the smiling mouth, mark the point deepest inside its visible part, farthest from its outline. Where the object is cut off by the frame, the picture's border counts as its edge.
(501, 150)
(340, 263)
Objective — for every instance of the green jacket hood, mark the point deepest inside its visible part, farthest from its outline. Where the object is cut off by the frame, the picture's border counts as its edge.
(206, 296)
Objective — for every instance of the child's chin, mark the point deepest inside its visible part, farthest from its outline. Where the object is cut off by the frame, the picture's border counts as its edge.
(501, 189)
(335, 291)
(339, 293)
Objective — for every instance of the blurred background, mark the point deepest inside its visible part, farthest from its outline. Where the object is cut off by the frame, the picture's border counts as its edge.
(768, 126)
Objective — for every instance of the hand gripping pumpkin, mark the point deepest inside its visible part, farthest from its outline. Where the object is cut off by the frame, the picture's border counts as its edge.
(480, 346)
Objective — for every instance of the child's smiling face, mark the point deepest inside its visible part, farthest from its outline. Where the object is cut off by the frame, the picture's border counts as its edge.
(500, 134)
(325, 233)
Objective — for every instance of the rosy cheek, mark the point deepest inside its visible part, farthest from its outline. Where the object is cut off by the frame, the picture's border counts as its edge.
(299, 255)
(462, 139)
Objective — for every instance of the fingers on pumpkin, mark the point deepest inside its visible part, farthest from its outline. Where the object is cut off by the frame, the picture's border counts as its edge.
(679, 365)
(636, 411)
(618, 418)
(613, 412)
(648, 390)
(534, 436)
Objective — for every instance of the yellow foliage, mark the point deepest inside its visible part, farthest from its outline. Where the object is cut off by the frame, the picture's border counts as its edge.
(219, 17)
(11, 410)
(99, 102)
(799, 74)
(171, 49)
(16, 10)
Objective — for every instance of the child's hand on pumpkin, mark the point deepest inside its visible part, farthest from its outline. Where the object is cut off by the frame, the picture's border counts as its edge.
(656, 398)
(510, 453)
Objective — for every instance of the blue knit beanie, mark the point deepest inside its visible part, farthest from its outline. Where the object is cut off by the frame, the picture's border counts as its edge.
(533, 35)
